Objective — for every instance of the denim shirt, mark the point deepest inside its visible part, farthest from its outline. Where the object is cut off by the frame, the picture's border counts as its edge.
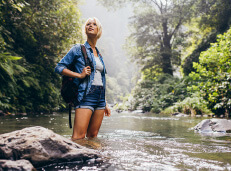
(85, 83)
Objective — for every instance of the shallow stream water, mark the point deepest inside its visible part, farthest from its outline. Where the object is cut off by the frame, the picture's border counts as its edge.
(139, 142)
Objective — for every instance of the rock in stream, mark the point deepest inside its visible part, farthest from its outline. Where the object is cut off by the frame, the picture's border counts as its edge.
(214, 125)
(16, 165)
(41, 146)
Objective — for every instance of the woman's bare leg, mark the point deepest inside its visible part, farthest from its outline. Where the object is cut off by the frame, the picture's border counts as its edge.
(81, 122)
(95, 123)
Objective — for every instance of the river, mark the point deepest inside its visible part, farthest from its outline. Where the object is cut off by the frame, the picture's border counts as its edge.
(139, 142)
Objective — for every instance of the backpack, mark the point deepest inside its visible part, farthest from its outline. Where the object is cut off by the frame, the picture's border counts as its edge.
(69, 90)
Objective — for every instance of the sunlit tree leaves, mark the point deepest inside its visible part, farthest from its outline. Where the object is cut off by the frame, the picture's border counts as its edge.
(213, 75)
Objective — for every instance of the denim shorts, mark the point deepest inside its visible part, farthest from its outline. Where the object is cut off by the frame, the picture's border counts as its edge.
(94, 100)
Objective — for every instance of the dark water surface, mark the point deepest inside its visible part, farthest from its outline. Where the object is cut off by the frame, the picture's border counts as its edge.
(139, 142)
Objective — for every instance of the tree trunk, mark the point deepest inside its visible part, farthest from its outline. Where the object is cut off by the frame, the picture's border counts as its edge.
(166, 61)
(166, 50)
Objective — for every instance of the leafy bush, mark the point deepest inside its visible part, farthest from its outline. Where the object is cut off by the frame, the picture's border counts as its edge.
(9, 71)
(156, 95)
(190, 105)
(213, 75)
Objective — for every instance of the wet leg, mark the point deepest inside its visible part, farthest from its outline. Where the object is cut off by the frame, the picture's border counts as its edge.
(81, 122)
(95, 123)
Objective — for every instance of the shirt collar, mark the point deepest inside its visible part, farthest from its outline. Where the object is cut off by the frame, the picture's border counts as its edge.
(86, 44)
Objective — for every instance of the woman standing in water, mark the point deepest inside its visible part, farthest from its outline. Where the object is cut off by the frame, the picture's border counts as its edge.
(90, 106)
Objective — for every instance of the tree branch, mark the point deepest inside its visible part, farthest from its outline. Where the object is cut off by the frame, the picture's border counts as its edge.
(166, 5)
(180, 20)
(161, 4)
(177, 27)
(182, 17)
(158, 5)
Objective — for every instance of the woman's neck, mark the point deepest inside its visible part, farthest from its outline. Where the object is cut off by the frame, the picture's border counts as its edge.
(92, 42)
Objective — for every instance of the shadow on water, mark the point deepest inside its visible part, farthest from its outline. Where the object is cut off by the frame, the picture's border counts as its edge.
(138, 142)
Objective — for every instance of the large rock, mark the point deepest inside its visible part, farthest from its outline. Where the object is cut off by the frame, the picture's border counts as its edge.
(22, 165)
(41, 146)
(214, 125)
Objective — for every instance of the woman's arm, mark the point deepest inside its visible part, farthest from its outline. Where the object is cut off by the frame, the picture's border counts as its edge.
(86, 71)
(107, 110)
(67, 60)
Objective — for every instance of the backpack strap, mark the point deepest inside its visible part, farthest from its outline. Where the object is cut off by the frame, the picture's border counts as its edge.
(84, 52)
(70, 105)
(87, 63)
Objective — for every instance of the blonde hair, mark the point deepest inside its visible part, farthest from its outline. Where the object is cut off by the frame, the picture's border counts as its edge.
(99, 26)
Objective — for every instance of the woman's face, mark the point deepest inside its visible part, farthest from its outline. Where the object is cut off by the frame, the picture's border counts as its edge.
(91, 28)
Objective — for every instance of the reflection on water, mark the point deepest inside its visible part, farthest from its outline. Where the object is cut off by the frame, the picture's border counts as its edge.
(139, 142)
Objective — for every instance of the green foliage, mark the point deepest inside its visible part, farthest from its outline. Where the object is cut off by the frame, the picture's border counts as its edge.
(39, 32)
(213, 75)
(187, 65)
(156, 95)
(193, 105)
(216, 14)
(8, 73)
(211, 18)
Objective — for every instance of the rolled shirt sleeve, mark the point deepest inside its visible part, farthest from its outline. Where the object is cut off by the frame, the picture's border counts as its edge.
(66, 60)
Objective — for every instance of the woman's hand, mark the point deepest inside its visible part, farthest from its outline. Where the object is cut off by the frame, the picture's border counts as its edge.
(107, 110)
(86, 71)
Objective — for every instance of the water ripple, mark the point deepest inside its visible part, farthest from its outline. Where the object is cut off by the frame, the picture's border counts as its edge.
(151, 118)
